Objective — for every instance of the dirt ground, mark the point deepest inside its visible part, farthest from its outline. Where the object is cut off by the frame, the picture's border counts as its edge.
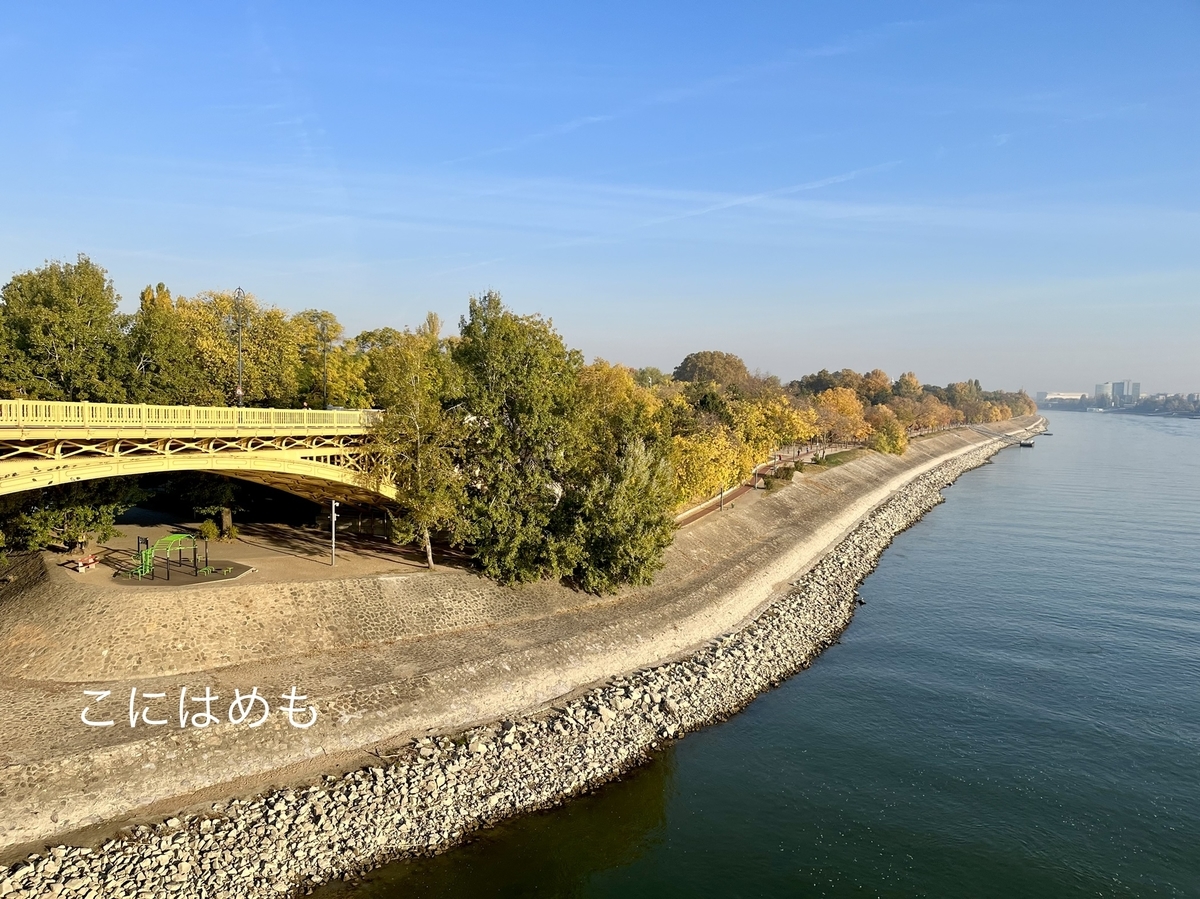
(276, 552)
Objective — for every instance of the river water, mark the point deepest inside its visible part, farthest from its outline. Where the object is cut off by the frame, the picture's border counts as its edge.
(1015, 712)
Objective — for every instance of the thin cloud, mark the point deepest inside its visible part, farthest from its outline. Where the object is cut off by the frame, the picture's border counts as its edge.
(729, 203)
(707, 86)
(748, 199)
(465, 268)
(564, 128)
(1115, 112)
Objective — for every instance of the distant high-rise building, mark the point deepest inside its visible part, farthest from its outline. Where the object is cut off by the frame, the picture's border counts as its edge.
(1118, 393)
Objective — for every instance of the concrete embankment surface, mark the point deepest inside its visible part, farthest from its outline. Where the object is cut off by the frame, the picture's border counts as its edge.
(720, 573)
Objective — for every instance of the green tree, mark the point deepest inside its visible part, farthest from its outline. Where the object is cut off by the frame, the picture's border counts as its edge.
(70, 514)
(712, 403)
(270, 349)
(415, 444)
(713, 365)
(332, 370)
(625, 524)
(963, 393)
(65, 338)
(15, 378)
(650, 376)
(520, 388)
(379, 381)
(164, 367)
(811, 385)
(906, 410)
(621, 486)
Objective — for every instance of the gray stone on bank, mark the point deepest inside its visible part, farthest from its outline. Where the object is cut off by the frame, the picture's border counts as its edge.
(437, 791)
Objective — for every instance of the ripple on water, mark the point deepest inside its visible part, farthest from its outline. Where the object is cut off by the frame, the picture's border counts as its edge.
(1014, 712)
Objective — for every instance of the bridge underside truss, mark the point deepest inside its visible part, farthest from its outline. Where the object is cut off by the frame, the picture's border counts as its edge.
(316, 467)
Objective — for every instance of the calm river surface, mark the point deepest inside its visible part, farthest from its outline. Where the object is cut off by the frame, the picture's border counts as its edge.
(1015, 712)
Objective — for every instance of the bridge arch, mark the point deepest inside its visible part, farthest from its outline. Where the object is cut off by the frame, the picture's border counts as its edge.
(313, 454)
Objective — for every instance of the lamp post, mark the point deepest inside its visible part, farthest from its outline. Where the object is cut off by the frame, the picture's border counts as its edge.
(239, 303)
(333, 517)
(325, 350)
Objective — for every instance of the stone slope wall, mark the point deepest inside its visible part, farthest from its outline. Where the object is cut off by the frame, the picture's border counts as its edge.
(435, 791)
(59, 777)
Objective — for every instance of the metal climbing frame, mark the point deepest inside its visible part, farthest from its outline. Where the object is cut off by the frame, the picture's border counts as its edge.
(146, 554)
(145, 557)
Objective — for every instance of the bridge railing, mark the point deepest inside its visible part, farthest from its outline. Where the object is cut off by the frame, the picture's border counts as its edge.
(38, 415)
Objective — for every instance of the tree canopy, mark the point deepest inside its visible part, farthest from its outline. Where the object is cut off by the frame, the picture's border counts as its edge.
(68, 515)
(713, 366)
(417, 442)
(500, 439)
(63, 335)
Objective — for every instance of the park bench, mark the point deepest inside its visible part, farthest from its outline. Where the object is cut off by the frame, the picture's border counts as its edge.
(87, 563)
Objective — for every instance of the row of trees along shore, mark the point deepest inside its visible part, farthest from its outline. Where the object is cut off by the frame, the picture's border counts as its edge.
(501, 438)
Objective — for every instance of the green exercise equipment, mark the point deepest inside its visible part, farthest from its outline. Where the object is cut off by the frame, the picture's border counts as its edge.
(148, 553)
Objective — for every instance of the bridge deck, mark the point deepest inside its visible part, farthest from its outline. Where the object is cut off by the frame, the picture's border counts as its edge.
(312, 453)
(39, 420)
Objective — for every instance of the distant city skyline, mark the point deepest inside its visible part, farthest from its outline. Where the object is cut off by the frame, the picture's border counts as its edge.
(1126, 389)
(1124, 392)
(1007, 192)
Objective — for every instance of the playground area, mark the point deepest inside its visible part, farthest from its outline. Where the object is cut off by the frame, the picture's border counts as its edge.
(175, 559)
(156, 550)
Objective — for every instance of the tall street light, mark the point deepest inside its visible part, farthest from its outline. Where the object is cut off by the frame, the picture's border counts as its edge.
(333, 517)
(325, 350)
(239, 303)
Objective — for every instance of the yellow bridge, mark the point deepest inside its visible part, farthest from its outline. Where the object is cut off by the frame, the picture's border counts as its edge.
(314, 454)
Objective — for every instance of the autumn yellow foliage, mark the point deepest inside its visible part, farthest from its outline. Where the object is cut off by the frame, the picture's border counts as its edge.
(840, 415)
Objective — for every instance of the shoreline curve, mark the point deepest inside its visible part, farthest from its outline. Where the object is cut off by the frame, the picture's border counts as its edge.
(435, 791)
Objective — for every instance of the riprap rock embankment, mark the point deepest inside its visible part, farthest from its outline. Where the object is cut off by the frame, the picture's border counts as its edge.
(433, 792)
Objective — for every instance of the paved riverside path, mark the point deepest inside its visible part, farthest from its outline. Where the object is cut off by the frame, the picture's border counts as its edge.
(382, 658)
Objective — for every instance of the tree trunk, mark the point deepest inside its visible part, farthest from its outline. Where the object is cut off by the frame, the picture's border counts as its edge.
(226, 520)
(428, 550)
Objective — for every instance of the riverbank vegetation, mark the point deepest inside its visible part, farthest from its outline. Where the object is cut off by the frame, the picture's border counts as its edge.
(501, 438)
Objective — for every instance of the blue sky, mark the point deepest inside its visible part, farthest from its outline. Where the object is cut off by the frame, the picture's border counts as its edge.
(1006, 191)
